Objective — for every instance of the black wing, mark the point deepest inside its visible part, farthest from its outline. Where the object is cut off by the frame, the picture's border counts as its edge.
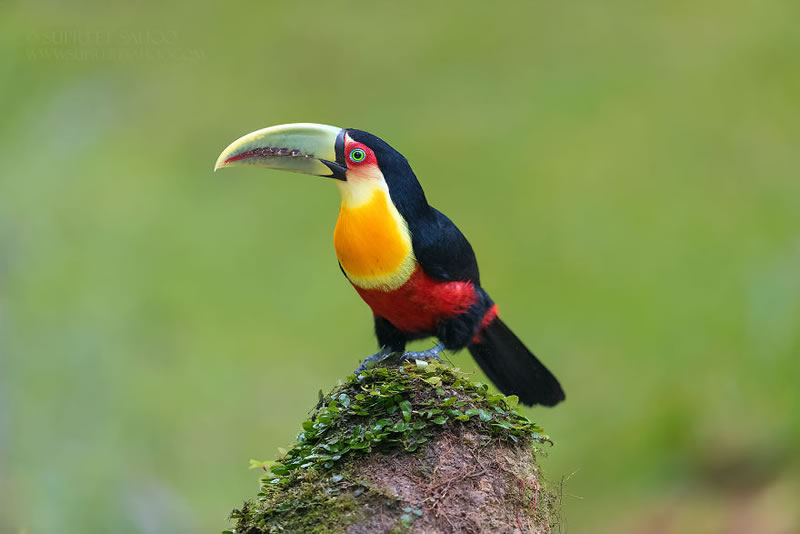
(442, 250)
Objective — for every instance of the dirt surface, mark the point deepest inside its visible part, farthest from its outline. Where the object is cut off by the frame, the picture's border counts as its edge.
(460, 485)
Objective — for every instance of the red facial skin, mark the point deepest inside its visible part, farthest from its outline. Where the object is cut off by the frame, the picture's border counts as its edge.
(368, 161)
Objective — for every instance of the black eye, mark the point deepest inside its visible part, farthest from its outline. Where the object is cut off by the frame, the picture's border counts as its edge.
(357, 155)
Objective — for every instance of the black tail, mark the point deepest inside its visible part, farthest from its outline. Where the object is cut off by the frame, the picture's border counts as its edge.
(513, 368)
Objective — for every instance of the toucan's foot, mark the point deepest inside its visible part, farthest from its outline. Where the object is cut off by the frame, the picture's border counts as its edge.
(378, 357)
(387, 354)
(430, 354)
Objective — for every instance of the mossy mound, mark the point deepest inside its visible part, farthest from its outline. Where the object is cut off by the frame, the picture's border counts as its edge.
(414, 448)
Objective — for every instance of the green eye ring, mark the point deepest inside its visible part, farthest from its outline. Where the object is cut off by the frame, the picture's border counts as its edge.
(357, 155)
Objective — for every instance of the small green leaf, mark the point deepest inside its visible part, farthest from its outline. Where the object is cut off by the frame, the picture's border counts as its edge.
(440, 420)
(381, 423)
(256, 464)
(512, 401)
(279, 469)
(405, 407)
(435, 381)
(337, 478)
(400, 426)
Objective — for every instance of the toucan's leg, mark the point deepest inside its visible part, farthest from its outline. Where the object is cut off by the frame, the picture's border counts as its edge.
(388, 335)
(430, 354)
(390, 339)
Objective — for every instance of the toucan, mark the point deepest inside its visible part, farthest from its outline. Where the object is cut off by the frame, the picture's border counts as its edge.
(407, 260)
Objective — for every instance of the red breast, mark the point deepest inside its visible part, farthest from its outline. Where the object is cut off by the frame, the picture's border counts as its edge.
(421, 303)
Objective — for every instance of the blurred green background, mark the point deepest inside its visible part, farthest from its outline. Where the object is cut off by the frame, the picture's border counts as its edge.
(628, 174)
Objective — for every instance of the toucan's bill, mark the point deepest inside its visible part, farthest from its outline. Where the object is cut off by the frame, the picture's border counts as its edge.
(301, 147)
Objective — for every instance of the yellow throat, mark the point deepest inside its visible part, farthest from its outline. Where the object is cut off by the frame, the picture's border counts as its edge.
(371, 238)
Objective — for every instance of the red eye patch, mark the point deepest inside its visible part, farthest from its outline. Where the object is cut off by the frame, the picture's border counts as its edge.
(358, 154)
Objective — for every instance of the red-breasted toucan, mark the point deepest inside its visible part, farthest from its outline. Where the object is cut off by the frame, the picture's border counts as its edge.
(406, 259)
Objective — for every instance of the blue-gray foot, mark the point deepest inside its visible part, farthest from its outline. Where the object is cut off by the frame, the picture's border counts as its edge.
(385, 354)
(378, 357)
(430, 354)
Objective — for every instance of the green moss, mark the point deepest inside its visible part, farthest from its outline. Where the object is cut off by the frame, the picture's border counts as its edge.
(310, 489)
(313, 503)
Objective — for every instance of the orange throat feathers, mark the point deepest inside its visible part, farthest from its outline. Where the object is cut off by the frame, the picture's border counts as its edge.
(372, 240)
